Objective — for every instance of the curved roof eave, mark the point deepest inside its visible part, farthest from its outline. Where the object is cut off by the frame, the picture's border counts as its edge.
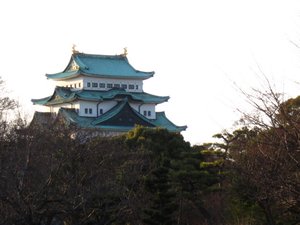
(151, 74)
(65, 97)
(162, 121)
(40, 101)
(113, 93)
(64, 75)
(60, 101)
(71, 74)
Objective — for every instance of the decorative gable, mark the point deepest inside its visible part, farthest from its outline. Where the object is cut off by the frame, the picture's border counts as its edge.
(122, 115)
(74, 66)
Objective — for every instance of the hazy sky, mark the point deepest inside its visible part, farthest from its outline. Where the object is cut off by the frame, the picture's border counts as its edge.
(198, 49)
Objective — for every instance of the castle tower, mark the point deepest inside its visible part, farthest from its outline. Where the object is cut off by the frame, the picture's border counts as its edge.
(103, 92)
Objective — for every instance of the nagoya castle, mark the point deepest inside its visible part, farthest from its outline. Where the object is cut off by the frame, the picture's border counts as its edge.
(103, 93)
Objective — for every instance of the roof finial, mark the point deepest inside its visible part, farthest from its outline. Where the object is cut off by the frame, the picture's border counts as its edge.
(125, 53)
(74, 49)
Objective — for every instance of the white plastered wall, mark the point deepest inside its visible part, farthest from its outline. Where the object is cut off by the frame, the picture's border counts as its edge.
(148, 108)
(41, 108)
(105, 106)
(88, 105)
(140, 107)
(138, 83)
(77, 83)
(73, 105)
(55, 108)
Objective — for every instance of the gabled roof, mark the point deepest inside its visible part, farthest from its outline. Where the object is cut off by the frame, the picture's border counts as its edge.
(122, 115)
(106, 66)
(64, 95)
(120, 118)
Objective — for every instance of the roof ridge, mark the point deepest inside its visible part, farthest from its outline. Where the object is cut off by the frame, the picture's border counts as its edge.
(99, 55)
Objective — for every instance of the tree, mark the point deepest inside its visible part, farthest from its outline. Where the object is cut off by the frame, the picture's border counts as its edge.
(151, 175)
(6, 104)
(264, 157)
(178, 177)
(48, 176)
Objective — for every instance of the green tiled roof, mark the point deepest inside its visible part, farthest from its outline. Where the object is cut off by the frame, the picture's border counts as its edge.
(99, 123)
(111, 113)
(41, 101)
(63, 95)
(124, 115)
(162, 121)
(108, 66)
(63, 75)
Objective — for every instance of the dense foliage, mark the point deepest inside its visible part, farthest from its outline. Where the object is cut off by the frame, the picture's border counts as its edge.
(152, 176)
(48, 177)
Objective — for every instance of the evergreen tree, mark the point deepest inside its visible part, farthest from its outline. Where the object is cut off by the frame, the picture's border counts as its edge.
(163, 205)
(178, 176)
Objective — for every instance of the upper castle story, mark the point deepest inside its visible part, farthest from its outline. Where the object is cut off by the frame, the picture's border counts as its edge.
(100, 72)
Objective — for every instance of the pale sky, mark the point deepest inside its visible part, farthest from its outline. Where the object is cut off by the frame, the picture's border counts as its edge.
(199, 50)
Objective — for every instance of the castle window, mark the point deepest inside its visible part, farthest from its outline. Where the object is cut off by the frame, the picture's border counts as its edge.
(101, 111)
(94, 85)
(145, 113)
(74, 85)
(124, 86)
(70, 85)
(149, 113)
(136, 86)
(88, 84)
(101, 85)
(109, 85)
(90, 111)
(131, 86)
(117, 85)
(79, 84)
(86, 110)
